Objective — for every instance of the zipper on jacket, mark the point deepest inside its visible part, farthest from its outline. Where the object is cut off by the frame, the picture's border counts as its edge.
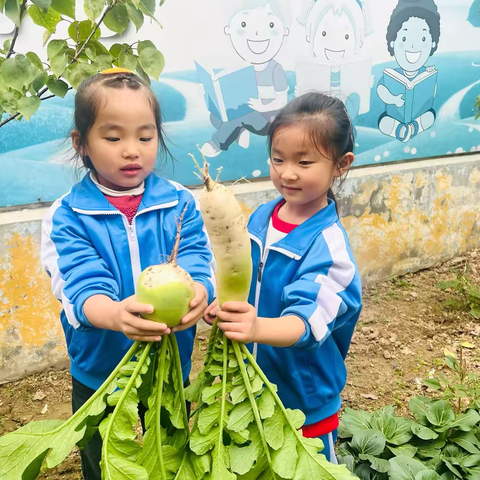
(134, 250)
(260, 269)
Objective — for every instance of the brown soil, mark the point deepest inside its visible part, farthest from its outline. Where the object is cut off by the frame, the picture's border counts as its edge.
(401, 337)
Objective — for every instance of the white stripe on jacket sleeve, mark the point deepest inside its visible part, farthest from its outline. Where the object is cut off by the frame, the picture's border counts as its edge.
(49, 258)
(339, 277)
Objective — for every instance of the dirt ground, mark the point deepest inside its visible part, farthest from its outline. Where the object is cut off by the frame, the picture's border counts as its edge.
(401, 337)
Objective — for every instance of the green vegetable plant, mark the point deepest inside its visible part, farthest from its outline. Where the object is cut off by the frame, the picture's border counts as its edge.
(466, 294)
(26, 81)
(461, 388)
(438, 444)
(241, 430)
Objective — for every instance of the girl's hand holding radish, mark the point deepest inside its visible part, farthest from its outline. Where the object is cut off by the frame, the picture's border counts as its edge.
(238, 320)
(102, 312)
(198, 305)
(211, 312)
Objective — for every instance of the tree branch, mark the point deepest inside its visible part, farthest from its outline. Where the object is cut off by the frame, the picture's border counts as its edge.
(17, 30)
(74, 59)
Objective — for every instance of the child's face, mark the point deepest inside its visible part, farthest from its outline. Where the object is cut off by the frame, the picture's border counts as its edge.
(413, 44)
(334, 38)
(123, 141)
(257, 35)
(299, 171)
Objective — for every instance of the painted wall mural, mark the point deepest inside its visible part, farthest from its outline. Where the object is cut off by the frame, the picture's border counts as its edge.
(408, 72)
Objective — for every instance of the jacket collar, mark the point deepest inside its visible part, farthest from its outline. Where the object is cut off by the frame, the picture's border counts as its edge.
(86, 197)
(299, 240)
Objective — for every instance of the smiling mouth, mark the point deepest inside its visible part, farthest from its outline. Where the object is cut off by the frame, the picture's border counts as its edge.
(258, 46)
(334, 54)
(291, 188)
(412, 57)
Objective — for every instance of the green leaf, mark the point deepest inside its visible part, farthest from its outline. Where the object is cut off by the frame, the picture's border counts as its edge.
(58, 65)
(146, 6)
(152, 61)
(467, 440)
(127, 60)
(27, 106)
(103, 62)
(432, 383)
(141, 73)
(43, 5)
(17, 72)
(266, 404)
(471, 460)
(452, 468)
(77, 73)
(93, 8)
(8, 101)
(54, 47)
(353, 420)
(208, 417)
(117, 19)
(239, 394)
(64, 7)
(385, 423)
(240, 417)
(46, 37)
(12, 11)
(35, 60)
(424, 433)
(284, 460)
(405, 468)
(143, 45)
(201, 444)
(219, 464)
(40, 81)
(57, 87)
(378, 464)
(406, 450)
(242, 458)
(312, 465)
(211, 393)
(273, 429)
(135, 15)
(419, 407)
(81, 31)
(201, 464)
(371, 442)
(48, 20)
(465, 421)
(440, 413)
(427, 475)
(52, 440)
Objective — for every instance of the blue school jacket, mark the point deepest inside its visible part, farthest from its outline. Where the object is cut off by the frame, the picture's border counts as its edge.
(89, 248)
(311, 274)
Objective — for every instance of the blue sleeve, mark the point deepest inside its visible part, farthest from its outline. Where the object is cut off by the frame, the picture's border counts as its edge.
(76, 270)
(324, 292)
(194, 253)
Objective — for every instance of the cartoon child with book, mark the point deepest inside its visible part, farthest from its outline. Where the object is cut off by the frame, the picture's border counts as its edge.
(409, 91)
(335, 31)
(246, 101)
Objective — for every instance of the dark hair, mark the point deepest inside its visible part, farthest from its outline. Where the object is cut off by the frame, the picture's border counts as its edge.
(425, 9)
(88, 101)
(327, 122)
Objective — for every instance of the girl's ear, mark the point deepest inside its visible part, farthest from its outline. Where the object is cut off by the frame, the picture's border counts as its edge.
(76, 143)
(344, 164)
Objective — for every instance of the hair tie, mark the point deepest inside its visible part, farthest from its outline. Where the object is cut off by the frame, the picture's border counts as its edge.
(111, 71)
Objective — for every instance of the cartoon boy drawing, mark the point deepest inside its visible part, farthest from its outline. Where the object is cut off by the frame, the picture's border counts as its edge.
(335, 31)
(257, 34)
(409, 91)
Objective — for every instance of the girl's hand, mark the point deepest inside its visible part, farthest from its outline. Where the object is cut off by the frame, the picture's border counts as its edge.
(238, 320)
(210, 313)
(128, 322)
(197, 305)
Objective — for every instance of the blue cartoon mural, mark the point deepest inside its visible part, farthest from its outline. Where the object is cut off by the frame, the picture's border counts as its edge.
(408, 92)
(408, 72)
(248, 99)
(335, 31)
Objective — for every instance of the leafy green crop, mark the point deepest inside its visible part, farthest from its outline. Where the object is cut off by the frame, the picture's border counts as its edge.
(241, 428)
(437, 444)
